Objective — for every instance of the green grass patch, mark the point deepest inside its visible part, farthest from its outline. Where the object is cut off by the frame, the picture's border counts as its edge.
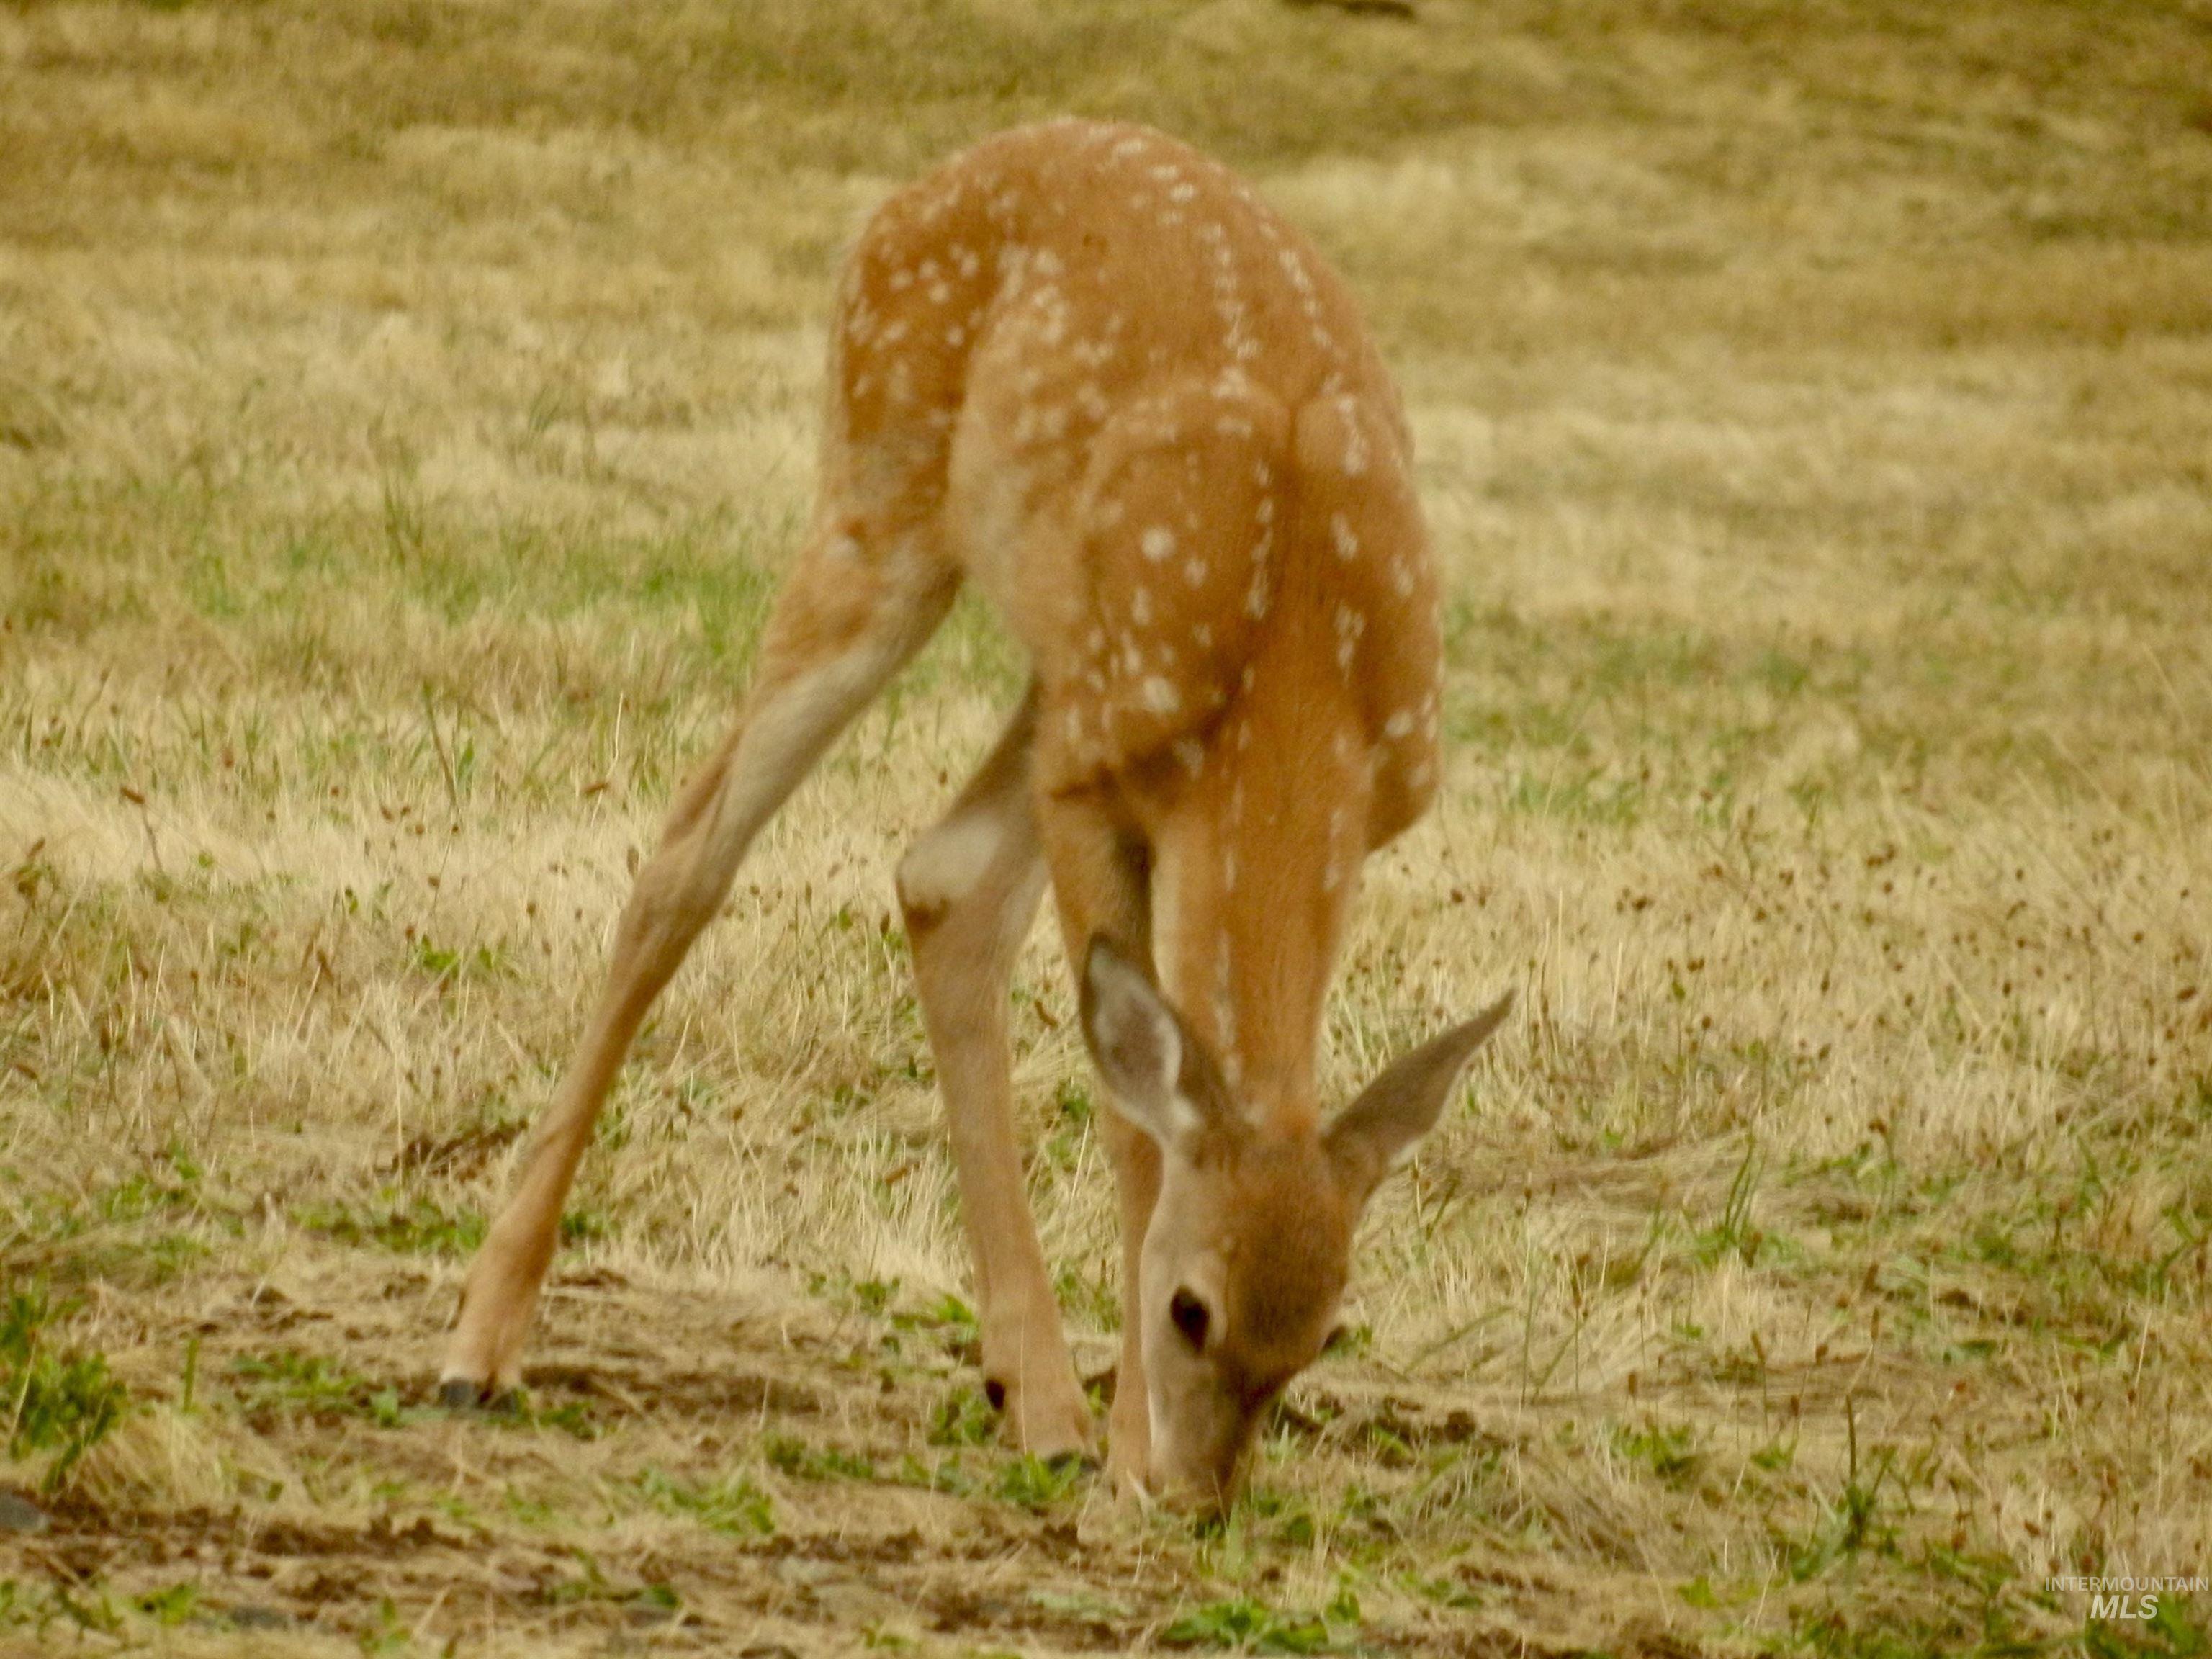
(410, 1225)
(56, 1402)
(1245, 1626)
(733, 1504)
(789, 1455)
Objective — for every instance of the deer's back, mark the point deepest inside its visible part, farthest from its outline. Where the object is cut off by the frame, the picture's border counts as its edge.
(1092, 367)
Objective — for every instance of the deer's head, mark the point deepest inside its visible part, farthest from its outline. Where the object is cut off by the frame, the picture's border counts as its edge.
(1245, 1261)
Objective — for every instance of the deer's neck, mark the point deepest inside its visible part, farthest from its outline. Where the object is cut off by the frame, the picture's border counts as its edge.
(1257, 863)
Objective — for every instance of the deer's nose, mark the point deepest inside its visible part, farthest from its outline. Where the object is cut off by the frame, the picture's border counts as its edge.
(1194, 1500)
(1203, 1494)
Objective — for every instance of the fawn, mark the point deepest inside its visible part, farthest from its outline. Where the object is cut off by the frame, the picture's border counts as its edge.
(1088, 370)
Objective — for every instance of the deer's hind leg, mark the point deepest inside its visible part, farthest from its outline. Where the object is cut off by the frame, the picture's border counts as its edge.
(860, 602)
(970, 888)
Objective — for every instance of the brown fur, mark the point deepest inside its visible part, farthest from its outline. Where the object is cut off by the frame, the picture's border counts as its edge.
(1088, 370)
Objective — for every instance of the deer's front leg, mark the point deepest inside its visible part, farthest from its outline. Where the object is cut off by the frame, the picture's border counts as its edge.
(1136, 1188)
(969, 888)
(1100, 878)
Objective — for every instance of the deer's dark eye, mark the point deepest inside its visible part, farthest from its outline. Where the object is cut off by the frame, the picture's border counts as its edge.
(1189, 1316)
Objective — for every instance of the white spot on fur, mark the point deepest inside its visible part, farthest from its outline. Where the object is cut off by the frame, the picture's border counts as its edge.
(1349, 625)
(1355, 438)
(1158, 542)
(1340, 534)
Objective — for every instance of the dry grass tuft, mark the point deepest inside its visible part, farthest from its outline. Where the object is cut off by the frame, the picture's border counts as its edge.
(404, 411)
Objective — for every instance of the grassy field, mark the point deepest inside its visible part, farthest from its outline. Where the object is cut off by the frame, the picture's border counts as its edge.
(405, 409)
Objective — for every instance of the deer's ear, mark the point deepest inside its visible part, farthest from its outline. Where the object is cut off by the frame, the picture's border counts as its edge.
(1141, 1049)
(1379, 1131)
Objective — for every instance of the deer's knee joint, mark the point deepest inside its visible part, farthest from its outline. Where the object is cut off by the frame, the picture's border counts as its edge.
(948, 864)
(668, 904)
(653, 895)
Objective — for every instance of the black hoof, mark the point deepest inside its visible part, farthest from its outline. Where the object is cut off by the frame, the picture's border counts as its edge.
(458, 1393)
(1061, 1463)
(461, 1394)
(995, 1392)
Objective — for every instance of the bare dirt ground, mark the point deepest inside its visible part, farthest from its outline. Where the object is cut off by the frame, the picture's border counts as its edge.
(404, 411)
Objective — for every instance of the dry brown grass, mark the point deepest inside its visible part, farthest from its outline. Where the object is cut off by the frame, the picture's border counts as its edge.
(403, 410)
